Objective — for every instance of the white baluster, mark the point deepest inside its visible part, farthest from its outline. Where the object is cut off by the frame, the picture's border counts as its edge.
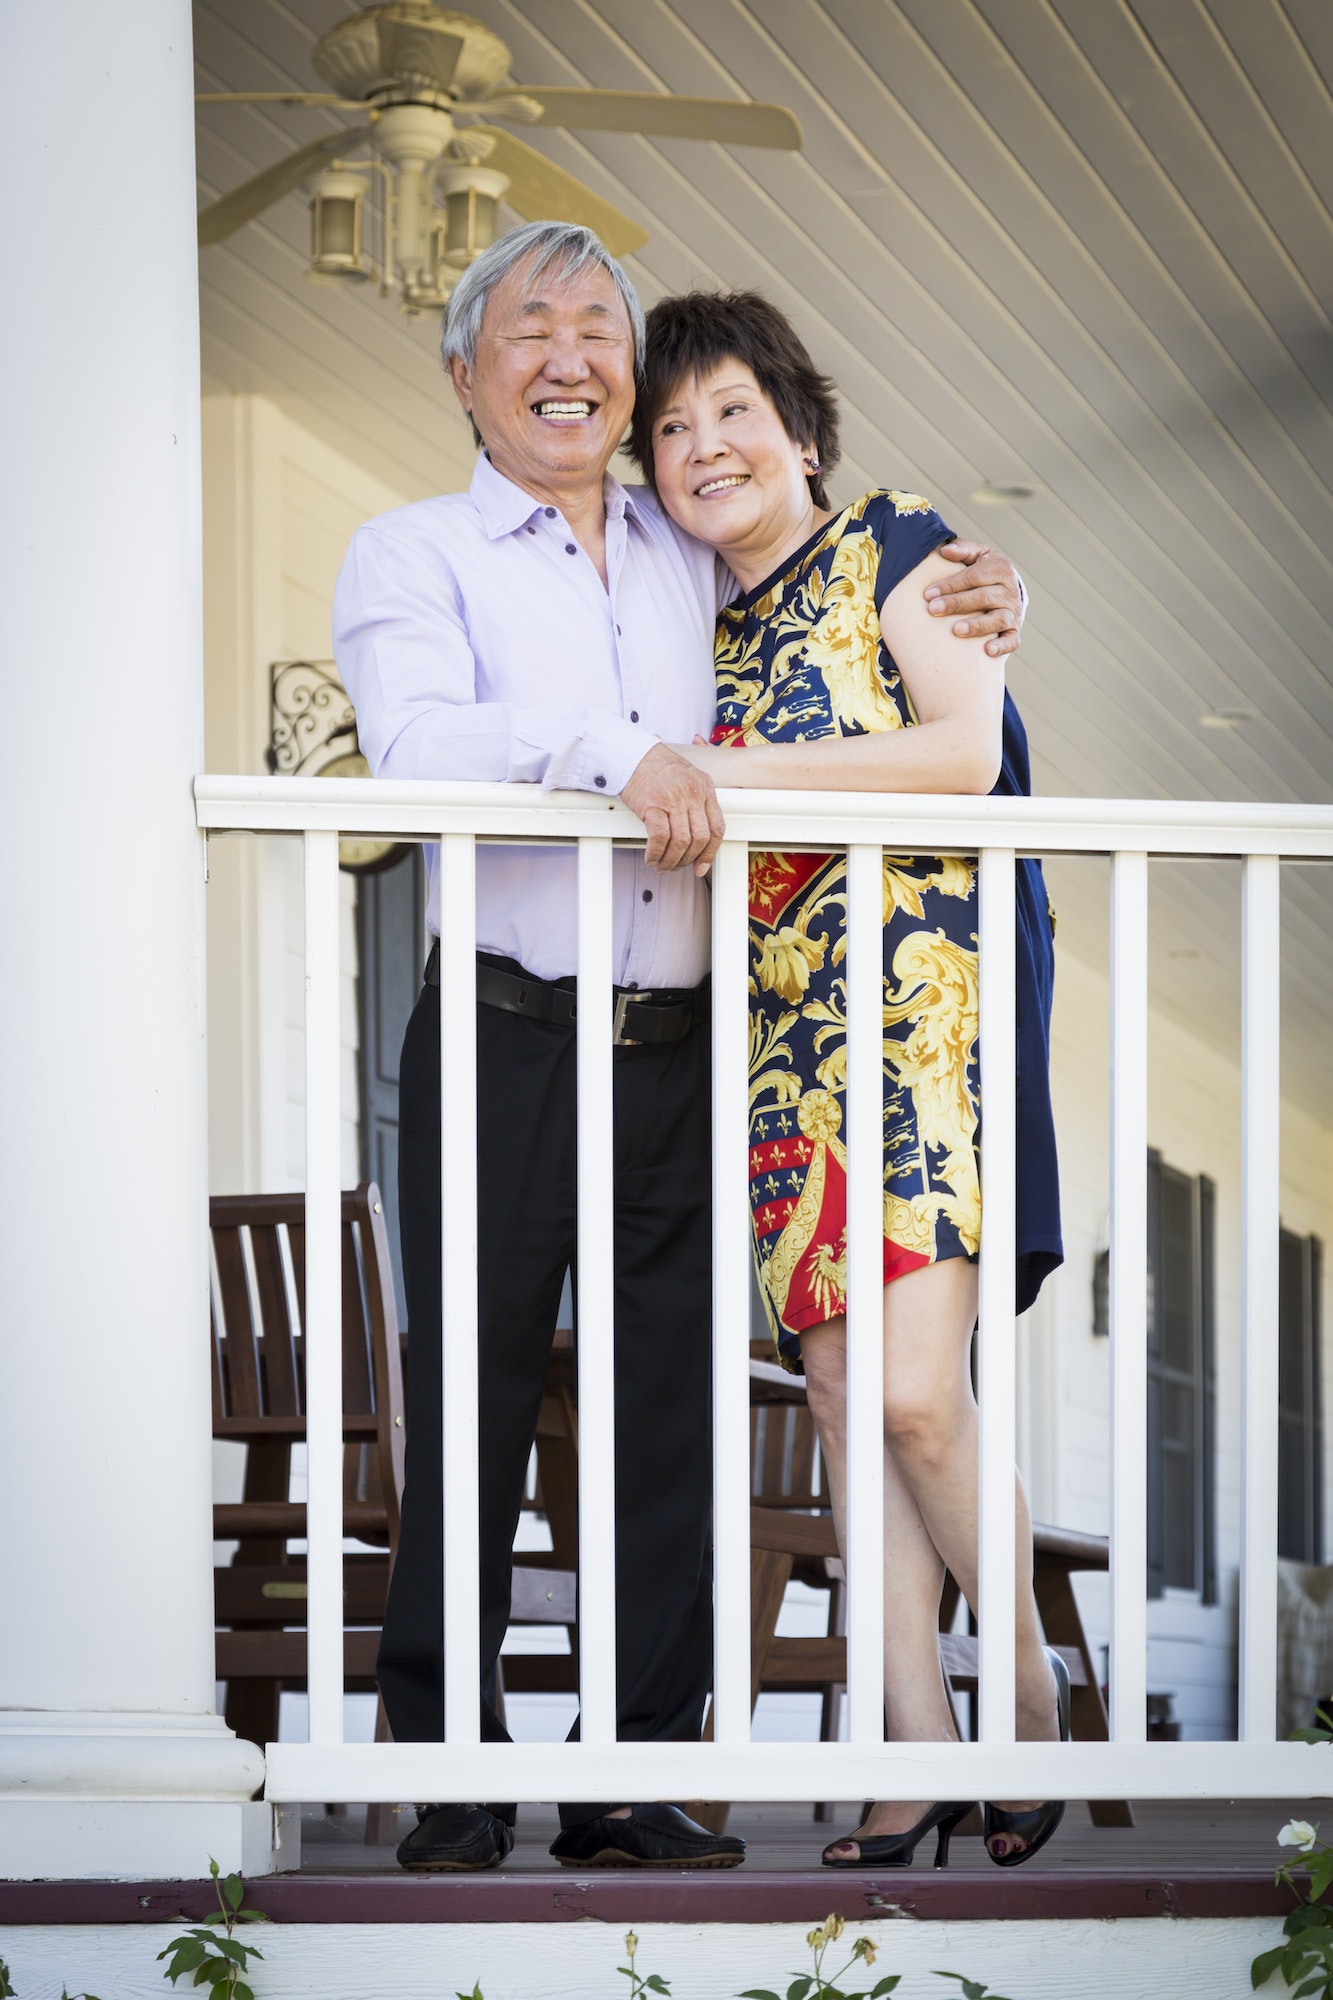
(596, 1343)
(996, 1344)
(864, 1099)
(458, 1279)
(731, 1296)
(1128, 1657)
(1261, 1119)
(323, 1293)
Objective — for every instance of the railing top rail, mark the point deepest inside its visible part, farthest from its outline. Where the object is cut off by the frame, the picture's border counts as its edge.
(409, 809)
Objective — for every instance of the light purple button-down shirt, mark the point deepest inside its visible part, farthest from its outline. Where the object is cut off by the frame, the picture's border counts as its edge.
(476, 640)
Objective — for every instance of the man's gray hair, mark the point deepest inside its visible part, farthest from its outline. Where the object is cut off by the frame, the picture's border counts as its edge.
(563, 251)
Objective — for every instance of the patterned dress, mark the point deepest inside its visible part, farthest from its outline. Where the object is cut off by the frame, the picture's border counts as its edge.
(798, 658)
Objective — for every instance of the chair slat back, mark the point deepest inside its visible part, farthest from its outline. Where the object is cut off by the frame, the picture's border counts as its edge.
(242, 1394)
(258, 1342)
(282, 1381)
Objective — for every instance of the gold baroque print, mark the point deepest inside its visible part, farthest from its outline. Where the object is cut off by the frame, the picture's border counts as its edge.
(937, 994)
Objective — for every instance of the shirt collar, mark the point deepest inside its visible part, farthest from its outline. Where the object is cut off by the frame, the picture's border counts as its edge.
(504, 507)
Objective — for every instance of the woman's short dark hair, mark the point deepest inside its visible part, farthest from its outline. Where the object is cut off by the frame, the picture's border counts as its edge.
(688, 336)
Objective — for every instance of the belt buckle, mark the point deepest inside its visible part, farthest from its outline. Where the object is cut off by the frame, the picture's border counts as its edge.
(619, 1039)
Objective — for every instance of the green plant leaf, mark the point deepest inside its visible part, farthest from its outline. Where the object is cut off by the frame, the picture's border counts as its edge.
(656, 1984)
(6, 1990)
(240, 1991)
(234, 1891)
(1266, 1965)
(757, 1993)
(886, 1985)
(800, 1987)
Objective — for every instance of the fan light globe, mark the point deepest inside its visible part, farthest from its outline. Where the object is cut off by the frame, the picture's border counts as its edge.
(471, 196)
(337, 206)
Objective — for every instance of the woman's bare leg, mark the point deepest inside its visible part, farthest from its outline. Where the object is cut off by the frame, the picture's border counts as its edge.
(931, 1503)
(931, 1421)
(915, 1697)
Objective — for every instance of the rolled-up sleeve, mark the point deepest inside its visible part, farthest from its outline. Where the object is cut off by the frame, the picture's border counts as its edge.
(401, 642)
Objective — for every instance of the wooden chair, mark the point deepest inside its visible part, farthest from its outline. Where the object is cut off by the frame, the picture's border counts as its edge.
(556, 1496)
(258, 1314)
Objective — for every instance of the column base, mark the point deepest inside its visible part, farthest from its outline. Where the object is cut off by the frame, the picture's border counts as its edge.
(144, 1840)
(131, 1797)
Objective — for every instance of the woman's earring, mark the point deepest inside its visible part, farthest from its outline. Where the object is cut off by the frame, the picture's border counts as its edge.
(813, 468)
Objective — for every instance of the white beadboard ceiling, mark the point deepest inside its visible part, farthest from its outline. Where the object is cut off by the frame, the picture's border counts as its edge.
(1084, 246)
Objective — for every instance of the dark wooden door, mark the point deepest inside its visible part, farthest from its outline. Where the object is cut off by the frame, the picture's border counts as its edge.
(390, 929)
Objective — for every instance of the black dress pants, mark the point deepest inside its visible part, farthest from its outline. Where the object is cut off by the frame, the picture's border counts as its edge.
(527, 1238)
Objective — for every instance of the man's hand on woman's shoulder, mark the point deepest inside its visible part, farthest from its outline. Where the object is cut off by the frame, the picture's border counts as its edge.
(986, 596)
(678, 805)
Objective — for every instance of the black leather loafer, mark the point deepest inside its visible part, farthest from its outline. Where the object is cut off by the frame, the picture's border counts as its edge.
(654, 1836)
(450, 1840)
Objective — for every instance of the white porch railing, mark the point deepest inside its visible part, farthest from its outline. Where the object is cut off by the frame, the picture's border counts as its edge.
(731, 1766)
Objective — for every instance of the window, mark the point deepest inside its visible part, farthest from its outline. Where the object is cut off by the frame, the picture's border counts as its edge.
(1300, 1419)
(1181, 1396)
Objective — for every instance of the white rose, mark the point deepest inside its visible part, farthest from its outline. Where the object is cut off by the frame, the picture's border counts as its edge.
(1298, 1833)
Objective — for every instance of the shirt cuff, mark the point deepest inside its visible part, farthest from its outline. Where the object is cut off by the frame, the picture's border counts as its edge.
(603, 759)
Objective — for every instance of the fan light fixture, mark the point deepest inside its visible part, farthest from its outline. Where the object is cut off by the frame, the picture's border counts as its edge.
(428, 83)
(337, 205)
(471, 198)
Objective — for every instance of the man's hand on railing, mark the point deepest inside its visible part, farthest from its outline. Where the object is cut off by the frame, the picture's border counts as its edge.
(679, 807)
(986, 596)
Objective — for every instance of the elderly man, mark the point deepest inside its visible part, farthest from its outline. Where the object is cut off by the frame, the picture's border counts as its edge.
(550, 626)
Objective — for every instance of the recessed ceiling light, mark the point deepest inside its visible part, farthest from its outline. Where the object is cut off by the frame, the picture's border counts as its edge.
(993, 494)
(1228, 718)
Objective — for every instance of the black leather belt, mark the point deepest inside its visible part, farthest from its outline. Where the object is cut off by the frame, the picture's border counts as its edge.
(636, 1019)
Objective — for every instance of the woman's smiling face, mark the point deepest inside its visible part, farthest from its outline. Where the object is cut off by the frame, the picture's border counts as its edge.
(725, 468)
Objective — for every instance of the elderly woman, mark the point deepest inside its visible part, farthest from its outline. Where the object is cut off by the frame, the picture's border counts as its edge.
(832, 675)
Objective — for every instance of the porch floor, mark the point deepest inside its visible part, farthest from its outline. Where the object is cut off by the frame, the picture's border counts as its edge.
(1181, 1859)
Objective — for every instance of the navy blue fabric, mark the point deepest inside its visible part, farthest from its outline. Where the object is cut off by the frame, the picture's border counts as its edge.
(908, 537)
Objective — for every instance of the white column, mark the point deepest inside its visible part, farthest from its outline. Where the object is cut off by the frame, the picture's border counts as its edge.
(111, 1759)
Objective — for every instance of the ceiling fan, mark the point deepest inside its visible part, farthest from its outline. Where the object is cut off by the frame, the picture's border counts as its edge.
(428, 82)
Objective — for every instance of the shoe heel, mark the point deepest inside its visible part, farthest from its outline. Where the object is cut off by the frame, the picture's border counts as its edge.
(942, 1844)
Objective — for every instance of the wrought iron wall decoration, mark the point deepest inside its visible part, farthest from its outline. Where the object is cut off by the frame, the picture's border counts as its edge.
(312, 734)
(312, 718)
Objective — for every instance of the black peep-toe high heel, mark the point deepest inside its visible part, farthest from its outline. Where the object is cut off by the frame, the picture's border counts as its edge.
(1034, 1828)
(895, 1850)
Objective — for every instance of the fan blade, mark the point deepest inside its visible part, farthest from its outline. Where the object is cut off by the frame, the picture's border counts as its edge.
(730, 121)
(541, 191)
(254, 196)
(419, 50)
(321, 98)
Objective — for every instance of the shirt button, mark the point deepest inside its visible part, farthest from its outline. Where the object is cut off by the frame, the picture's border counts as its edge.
(617, 631)
(600, 784)
(647, 895)
(570, 549)
(531, 529)
(634, 986)
(549, 513)
(634, 715)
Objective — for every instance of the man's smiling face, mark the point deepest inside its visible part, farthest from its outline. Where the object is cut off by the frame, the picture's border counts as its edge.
(551, 387)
